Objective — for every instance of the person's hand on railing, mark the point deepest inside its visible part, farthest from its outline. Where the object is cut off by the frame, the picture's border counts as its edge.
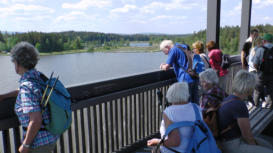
(153, 142)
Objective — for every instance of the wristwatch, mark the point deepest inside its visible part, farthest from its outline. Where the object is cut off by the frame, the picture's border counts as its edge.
(26, 146)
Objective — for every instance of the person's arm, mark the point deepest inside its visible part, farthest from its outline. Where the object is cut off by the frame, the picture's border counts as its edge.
(9, 94)
(164, 66)
(245, 129)
(35, 122)
(173, 137)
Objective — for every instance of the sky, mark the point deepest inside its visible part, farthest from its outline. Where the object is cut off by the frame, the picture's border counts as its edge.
(123, 16)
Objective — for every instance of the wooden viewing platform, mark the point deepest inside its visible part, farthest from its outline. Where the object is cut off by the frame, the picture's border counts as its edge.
(116, 115)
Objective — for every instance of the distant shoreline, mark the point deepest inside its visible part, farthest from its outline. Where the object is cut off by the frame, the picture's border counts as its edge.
(153, 48)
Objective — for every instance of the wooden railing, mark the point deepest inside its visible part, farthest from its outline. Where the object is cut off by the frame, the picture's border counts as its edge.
(111, 116)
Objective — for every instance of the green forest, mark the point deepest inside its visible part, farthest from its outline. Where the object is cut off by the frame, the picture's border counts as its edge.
(94, 41)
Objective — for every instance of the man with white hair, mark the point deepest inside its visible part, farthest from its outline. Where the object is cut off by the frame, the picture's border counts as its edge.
(178, 60)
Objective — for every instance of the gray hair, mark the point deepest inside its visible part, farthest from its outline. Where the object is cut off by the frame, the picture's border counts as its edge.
(244, 82)
(25, 55)
(209, 76)
(178, 92)
(165, 43)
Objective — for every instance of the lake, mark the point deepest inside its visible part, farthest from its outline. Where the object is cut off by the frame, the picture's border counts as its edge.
(82, 68)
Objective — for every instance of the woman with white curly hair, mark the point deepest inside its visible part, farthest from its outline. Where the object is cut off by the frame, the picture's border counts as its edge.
(234, 116)
(180, 110)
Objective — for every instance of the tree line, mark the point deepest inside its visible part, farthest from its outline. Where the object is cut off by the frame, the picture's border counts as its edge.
(72, 40)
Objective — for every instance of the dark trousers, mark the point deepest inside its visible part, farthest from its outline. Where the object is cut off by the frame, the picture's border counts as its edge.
(265, 85)
(194, 92)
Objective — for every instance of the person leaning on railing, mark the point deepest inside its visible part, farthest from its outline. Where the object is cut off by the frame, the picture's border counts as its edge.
(36, 139)
(180, 110)
(235, 117)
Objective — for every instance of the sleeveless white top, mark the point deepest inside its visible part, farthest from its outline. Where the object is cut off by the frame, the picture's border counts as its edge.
(178, 113)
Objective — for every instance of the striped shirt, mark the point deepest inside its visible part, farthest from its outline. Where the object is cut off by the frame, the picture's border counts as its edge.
(28, 100)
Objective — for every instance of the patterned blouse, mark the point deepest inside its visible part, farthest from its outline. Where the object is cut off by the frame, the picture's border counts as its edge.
(212, 97)
(28, 100)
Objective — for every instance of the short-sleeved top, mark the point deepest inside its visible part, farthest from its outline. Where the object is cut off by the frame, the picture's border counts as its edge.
(177, 59)
(246, 48)
(177, 113)
(28, 100)
(258, 57)
(228, 115)
(215, 60)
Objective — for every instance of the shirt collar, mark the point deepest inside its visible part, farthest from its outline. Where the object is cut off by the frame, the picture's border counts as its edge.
(30, 74)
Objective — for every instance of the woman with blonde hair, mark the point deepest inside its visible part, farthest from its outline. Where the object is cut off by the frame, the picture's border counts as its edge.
(198, 48)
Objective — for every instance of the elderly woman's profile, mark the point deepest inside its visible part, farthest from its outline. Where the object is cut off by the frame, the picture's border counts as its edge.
(234, 114)
(36, 139)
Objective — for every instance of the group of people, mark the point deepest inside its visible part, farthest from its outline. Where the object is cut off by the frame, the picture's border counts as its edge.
(233, 115)
(212, 80)
(252, 58)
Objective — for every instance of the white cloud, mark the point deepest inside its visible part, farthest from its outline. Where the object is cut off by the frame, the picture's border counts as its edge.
(128, 1)
(75, 15)
(3, 1)
(267, 18)
(33, 18)
(262, 3)
(235, 11)
(84, 4)
(22, 9)
(22, 1)
(173, 5)
(124, 9)
(166, 17)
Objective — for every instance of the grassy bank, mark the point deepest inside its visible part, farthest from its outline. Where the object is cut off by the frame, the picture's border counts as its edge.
(153, 48)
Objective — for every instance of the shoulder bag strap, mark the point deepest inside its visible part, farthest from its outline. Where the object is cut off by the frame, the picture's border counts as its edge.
(188, 57)
(204, 57)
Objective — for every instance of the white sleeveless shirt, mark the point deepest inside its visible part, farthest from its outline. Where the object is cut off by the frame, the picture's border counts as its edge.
(178, 113)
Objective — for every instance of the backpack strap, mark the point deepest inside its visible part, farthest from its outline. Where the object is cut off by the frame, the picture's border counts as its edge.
(196, 111)
(172, 127)
(205, 58)
(188, 58)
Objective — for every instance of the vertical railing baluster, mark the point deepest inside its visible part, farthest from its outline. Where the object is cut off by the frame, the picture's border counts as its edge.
(116, 124)
(145, 107)
(94, 129)
(88, 126)
(76, 132)
(125, 121)
(106, 129)
(100, 128)
(82, 131)
(70, 134)
(129, 121)
(17, 138)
